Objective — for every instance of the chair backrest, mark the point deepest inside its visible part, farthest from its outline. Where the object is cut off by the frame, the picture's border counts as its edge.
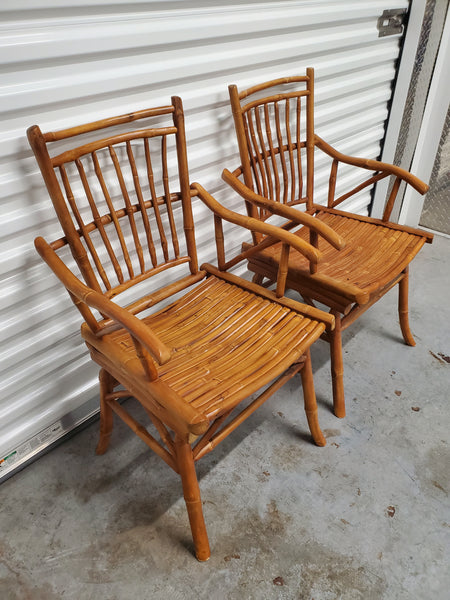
(121, 197)
(276, 138)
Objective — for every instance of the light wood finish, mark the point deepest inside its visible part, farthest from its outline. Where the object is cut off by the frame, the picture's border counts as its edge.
(191, 350)
(359, 258)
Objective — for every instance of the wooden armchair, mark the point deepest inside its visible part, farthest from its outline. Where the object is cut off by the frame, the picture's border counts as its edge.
(275, 131)
(123, 199)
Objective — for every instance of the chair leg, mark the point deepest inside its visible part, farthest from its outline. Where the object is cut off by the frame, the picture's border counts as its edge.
(309, 396)
(403, 285)
(337, 367)
(106, 413)
(191, 491)
(257, 278)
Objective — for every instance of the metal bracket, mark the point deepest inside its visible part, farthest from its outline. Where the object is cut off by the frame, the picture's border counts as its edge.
(391, 22)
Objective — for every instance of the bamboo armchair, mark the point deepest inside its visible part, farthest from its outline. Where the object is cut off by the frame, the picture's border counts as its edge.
(123, 200)
(274, 124)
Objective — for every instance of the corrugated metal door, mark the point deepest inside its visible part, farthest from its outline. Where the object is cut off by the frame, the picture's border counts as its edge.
(71, 62)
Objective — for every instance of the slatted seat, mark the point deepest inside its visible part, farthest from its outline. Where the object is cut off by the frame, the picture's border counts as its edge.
(367, 257)
(351, 274)
(189, 343)
(214, 331)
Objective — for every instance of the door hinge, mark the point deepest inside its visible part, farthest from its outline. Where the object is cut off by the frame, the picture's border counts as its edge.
(391, 22)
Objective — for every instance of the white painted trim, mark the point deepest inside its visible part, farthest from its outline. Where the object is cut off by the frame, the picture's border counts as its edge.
(404, 73)
(431, 130)
(434, 232)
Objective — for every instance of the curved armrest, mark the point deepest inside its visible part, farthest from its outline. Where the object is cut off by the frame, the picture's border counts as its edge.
(283, 210)
(308, 250)
(372, 165)
(141, 332)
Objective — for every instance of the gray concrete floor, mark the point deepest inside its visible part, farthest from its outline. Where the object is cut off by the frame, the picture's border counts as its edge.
(366, 517)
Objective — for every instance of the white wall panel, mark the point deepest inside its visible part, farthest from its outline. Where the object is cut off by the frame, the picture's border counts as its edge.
(72, 62)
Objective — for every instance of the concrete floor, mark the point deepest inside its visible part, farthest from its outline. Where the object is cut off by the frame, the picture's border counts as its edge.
(366, 517)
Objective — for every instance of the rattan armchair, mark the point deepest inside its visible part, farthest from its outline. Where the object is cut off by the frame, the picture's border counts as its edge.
(189, 343)
(274, 123)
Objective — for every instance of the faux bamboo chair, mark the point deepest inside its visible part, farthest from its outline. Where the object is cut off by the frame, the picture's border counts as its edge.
(274, 124)
(123, 200)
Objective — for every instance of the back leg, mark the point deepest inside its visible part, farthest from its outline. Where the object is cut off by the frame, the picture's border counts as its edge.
(309, 396)
(337, 366)
(403, 308)
(107, 382)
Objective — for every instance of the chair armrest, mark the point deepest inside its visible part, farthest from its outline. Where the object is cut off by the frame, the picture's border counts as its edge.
(289, 212)
(78, 290)
(381, 169)
(277, 233)
(372, 165)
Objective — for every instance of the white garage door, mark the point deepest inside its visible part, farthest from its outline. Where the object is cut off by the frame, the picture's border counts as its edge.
(76, 61)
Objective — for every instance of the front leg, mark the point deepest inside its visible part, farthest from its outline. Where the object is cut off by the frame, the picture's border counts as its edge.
(191, 491)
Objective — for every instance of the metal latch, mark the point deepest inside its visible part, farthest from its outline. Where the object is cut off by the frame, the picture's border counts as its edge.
(391, 22)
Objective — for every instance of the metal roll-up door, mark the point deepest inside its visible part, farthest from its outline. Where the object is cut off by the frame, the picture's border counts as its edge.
(76, 61)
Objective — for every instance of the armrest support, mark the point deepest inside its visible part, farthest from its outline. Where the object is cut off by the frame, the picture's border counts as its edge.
(93, 299)
(289, 212)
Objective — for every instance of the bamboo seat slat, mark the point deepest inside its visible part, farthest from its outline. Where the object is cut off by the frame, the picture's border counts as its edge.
(372, 256)
(194, 349)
